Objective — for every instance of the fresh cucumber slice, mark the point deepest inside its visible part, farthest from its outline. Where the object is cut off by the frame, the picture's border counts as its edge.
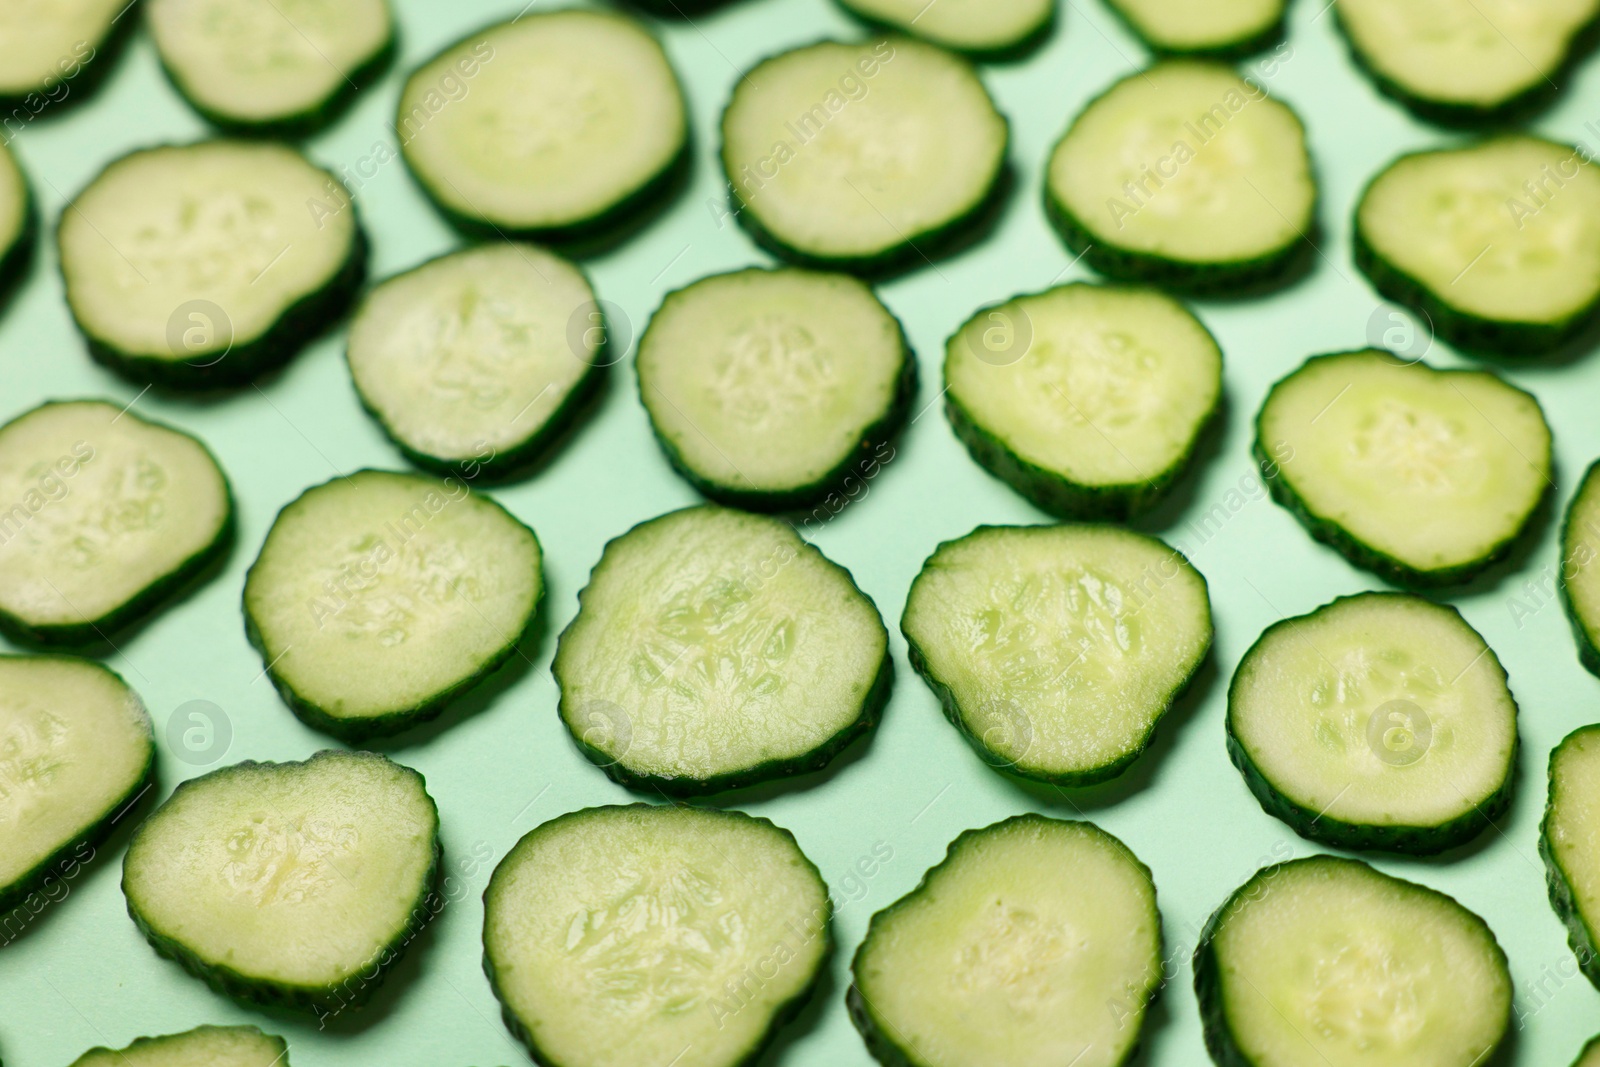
(270, 65)
(622, 936)
(1036, 941)
(76, 751)
(1423, 476)
(204, 1046)
(206, 264)
(981, 28)
(1590, 1056)
(1580, 567)
(377, 597)
(1221, 30)
(1088, 400)
(1567, 841)
(1466, 61)
(475, 362)
(44, 43)
(1325, 962)
(768, 388)
(554, 124)
(289, 884)
(17, 221)
(715, 649)
(1497, 242)
(108, 516)
(1185, 175)
(864, 156)
(1381, 721)
(1056, 650)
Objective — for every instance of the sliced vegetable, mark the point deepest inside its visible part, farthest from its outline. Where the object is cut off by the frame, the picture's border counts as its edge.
(1580, 568)
(47, 47)
(17, 222)
(1567, 841)
(1224, 30)
(204, 1046)
(982, 28)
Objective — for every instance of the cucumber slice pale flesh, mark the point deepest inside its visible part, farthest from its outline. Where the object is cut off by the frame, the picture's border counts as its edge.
(51, 50)
(18, 219)
(1580, 567)
(984, 29)
(1590, 1056)
(204, 1046)
(1229, 29)
(1567, 841)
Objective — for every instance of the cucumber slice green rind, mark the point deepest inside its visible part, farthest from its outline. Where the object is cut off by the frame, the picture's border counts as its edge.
(235, 1046)
(1565, 889)
(1315, 822)
(1590, 1056)
(1237, 48)
(888, 1044)
(104, 43)
(16, 248)
(1579, 554)
(1018, 47)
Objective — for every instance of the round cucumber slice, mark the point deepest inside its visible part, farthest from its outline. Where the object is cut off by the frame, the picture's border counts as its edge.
(1580, 569)
(1379, 721)
(1036, 941)
(551, 125)
(76, 751)
(1498, 242)
(715, 649)
(1185, 175)
(1590, 1056)
(206, 264)
(474, 363)
(108, 515)
(377, 597)
(290, 884)
(768, 388)
(278, 65)
(1056, 650)
(204, 1046)
(1325, 962)
(46, 42)
(863, 156)
(1568, 843)
(981, 28)
(1423, 476)
(1221, 30)
(621, 936)
(1088, 400)
(16, 218)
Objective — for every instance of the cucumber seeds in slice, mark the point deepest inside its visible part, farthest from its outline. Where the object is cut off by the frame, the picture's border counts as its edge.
(108, 515)
(1036, 941)
(768, 388)
(981, 28)
(624, 936)
(715, 649)
(291, 884)
(1325, 962)
(1567, 841)
(379, 596)
(1056, 650)
(1379, 721)
(1224, 30)
(76, 751)
(861, 156)
(475, 362)
(46, 43)
(1185, 175)
(1423, 476)
(204, 1046)
(1580, 569)
(1088, 400)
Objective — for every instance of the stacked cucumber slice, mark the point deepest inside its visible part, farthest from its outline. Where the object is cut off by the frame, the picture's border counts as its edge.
(204, 1046)
(982, 28)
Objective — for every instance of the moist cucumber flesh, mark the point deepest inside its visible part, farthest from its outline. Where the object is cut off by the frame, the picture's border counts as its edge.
(204, 1046)
(1325, 962)
(764, 384)
(980, 26)
(1035, 942)
(378, 596)
(1381, 720)
(847, 154)
(1580, 570)
(108, 513)
(1567, 842)
(75, 749)
(15, 205)
(45, 42)
(289, 883)
(1425, 476)
(570, 115)
(621, 936)
(714, 648)
(1087, 399)
(1179, 26)
(1057, 649)
(473, 354)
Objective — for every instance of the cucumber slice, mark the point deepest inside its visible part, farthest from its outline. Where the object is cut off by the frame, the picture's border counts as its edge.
(207, 264)
(1056, 650)
(1466, 61)
(1011, 951)
(270, 65)
(1325, 962)
(1088, 400)
(554, 124)
(17, 220)
(1185, 175)
(76, 751)
(768, 388)
(1580, 568)
(109, 516)
(1590, 1056)
(1425, 477)
(1498, 242)
(622, 936)
(715, 649)
(1218, 30)
(204, 1046)
(866, 156)
(471, 363)
(981, 28)
(44, 43)
(1567, 841)
(1379, 721)
(377, 597)
(289, 884)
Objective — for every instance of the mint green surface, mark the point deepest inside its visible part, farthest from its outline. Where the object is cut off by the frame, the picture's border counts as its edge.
(81, 975)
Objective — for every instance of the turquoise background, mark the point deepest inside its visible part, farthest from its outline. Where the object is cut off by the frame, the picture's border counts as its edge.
(82, 975)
